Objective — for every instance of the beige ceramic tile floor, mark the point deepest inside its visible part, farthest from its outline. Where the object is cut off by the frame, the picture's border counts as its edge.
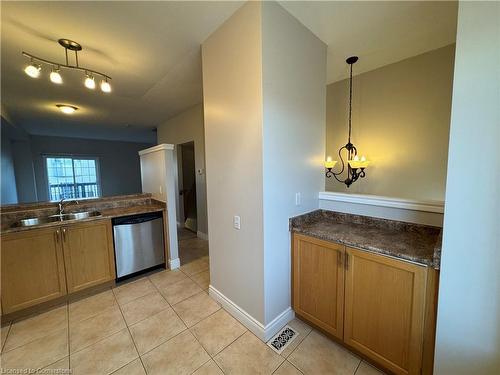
(164, 323)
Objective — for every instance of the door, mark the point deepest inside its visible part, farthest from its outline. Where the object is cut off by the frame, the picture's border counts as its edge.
(32, 268)
(88, 254)
(318, 282)
(384, 310)
(187, 185)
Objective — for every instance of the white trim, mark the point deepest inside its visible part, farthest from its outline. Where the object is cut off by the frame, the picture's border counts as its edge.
(258, 329)
(277, 323)
(174, 263)
(375, 200)
(203, 236)
(163, 146)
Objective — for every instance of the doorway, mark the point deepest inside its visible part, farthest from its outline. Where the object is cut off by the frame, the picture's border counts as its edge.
(187, 187)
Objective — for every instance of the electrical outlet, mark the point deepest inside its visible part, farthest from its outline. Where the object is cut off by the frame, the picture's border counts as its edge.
(237, 222)
(298, 199)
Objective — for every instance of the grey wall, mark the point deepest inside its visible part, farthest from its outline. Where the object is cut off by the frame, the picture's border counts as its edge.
(119, 162)
(186, 127)
(25, 174)
(401, 120)
(293, 85)
(8, 180)
(468, 327)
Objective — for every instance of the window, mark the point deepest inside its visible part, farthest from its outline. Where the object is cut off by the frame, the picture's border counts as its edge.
(71, 177)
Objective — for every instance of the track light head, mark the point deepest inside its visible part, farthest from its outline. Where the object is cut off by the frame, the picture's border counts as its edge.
(90, 82)
(33, 70)
(55, 76)
(105, 86)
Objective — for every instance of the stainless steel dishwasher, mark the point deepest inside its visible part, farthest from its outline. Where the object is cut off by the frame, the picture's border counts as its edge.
(138, 243)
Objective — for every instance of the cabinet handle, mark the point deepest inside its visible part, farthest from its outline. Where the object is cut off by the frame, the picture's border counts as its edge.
(57, 233)
(346, 261)
(339, 258)
(64, 234)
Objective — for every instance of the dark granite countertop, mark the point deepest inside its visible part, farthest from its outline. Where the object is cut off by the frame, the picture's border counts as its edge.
(108, 207)
(413, 242)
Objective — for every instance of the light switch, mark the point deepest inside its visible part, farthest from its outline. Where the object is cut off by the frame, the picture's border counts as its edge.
(237, 222)
(298, 199)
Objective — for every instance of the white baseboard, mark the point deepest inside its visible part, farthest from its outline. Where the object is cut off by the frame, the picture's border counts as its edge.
(202, 235)
(174, 263)
(258, 329)
(279, 322)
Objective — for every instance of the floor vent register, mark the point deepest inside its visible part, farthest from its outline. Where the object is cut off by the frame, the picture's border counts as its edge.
(282, 339)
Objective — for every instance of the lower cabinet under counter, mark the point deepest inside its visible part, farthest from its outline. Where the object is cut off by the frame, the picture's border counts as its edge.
(42, 265)
(378, 306)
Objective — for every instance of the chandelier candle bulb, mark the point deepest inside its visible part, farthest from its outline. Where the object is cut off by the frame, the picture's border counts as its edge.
(358, 163)
(329, 163)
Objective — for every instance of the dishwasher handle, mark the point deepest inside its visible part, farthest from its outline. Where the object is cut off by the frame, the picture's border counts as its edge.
(137, 219)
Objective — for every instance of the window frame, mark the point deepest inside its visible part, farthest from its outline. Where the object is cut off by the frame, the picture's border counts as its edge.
(73, 157)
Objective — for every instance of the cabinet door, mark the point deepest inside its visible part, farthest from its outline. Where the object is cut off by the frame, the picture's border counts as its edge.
(318, 282)
(88, 254)
(32, 268)
(384, 310)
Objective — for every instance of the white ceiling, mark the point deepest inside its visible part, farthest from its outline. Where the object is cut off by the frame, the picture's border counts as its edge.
(152, 52)
(379, 32)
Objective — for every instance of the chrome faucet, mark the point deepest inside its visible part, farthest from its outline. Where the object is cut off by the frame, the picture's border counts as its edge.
(63, 203)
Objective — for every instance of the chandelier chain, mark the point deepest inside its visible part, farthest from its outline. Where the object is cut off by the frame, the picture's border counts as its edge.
(350, 101)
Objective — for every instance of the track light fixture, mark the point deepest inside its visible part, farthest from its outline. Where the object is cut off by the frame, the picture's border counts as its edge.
(34, 68)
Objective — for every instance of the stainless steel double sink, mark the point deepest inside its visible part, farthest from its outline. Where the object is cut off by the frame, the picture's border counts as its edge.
(56, 218)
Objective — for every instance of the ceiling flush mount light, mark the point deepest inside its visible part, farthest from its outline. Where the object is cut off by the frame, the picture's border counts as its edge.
(34, 68)
(55, 77)
(66, 108)
(355, 165)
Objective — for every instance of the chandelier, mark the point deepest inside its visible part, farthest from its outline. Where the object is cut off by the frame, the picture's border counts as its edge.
(35, 67)
(355, 165)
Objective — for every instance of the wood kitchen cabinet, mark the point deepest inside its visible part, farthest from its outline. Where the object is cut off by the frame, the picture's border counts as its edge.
(381, 307)
(88, 254)
(40, 265)
(32, 268)
(318, 283)
(384, 310)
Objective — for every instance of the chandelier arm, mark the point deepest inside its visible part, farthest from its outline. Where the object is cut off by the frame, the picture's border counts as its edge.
(39, 59)
(342, 161)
